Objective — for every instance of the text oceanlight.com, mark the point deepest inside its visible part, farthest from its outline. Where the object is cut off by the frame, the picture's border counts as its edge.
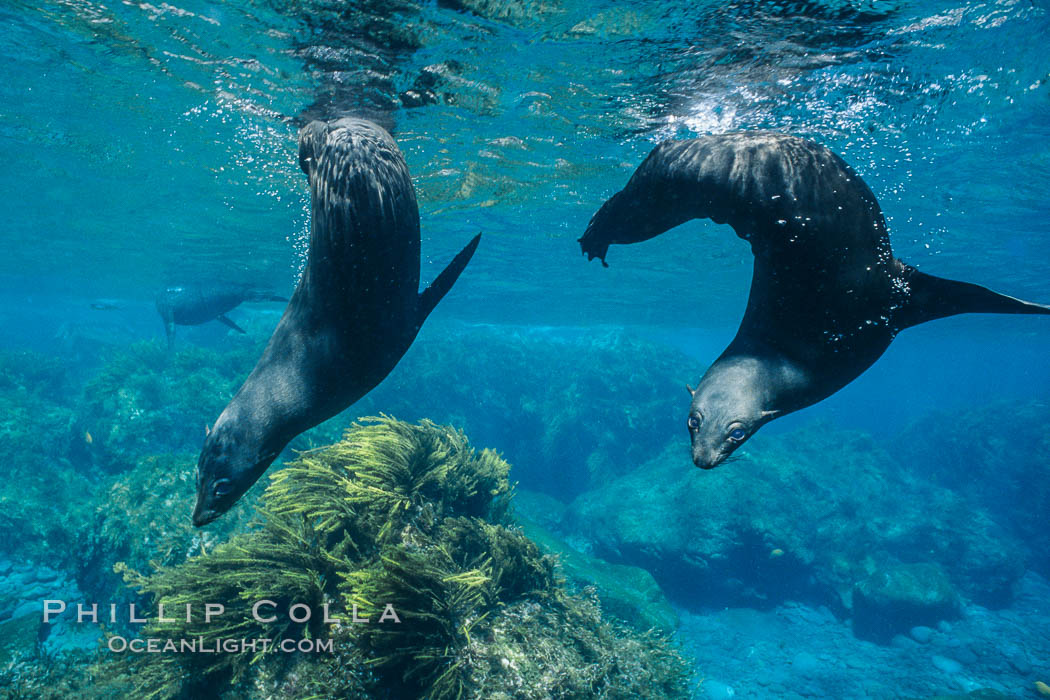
(118, 644)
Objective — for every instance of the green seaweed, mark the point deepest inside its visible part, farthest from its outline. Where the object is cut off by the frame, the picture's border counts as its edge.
(397, 519)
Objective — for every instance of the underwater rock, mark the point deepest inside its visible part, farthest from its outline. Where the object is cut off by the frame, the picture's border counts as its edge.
(23, 635)
(717, 690)
(516, 12)
(979, 694)
(921, 634)
(531, 384)
(19, 637)
(444, 83)
(805, 664)
(626, 592)
(1002, 449)
(540, 508)
(943, 663)
(899, 597)
(832, 501)
(615, 22)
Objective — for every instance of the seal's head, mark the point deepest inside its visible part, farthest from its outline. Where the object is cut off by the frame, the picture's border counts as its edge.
(312, 139)
(729, 406)
(226, 469)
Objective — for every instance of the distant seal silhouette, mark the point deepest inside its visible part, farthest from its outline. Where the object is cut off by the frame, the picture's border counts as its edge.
(827, 296)
(354, 314)
(192, 305)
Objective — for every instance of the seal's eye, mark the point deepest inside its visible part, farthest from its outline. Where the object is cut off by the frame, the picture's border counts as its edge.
(221, 487)
(737, 434)
(693, 423)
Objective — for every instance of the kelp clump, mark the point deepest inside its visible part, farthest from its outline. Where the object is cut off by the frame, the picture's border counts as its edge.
(409, 527)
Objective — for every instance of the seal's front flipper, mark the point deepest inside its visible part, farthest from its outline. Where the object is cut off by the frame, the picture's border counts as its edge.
(169, 330)
(440, 286)
(930, 298)
(225, 319)
(259, 295)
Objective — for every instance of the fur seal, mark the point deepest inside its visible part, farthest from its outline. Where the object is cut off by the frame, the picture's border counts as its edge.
(353, 315)
(192, 305)
(827, 296)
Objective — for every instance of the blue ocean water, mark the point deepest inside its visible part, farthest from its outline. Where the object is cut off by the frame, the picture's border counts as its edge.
(150, 144)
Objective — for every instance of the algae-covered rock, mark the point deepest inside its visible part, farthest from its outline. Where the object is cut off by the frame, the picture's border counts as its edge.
(18, 637)
(539, 508)
(995, 454)
(804, 515)
(896, 598)
(626, 592)
(43, 501)
(145, 401)
(407, 526)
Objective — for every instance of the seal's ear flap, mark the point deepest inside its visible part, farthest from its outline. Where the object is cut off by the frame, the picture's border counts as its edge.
(769, 415)
(691, 390)
(311, 141)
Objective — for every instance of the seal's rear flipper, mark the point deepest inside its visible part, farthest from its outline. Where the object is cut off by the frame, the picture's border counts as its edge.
(440, 286)
(932, 297)
(223, 318)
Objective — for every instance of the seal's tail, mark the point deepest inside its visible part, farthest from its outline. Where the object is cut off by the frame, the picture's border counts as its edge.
(440, 286)
(932, 297)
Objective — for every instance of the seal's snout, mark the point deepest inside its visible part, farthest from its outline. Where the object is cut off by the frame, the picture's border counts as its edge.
(202, 516)
(706, 462)
(707, 457)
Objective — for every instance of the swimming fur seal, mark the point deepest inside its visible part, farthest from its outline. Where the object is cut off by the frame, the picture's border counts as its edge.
(827, 296)
(192, 305)
(354, 314)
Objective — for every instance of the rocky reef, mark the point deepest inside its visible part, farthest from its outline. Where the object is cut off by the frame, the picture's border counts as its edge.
(919, 544)
(815, 516)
